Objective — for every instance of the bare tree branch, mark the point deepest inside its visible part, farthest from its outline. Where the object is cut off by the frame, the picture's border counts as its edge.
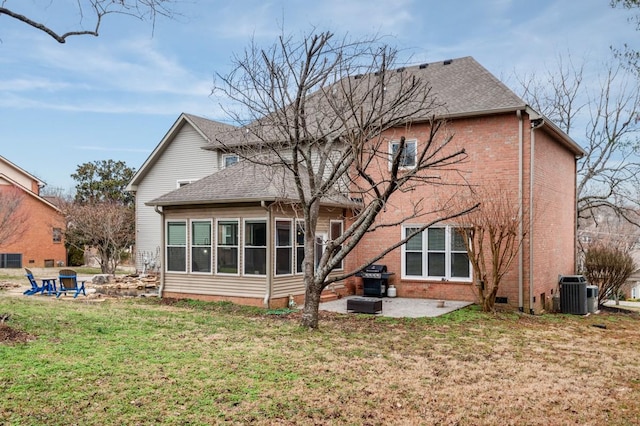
(140, 9)
(324, 110)
(14, 215)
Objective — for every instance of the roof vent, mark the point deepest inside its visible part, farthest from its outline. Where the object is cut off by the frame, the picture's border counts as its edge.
(358, 76)
(447, 62)
(423, 66)
(400, 69)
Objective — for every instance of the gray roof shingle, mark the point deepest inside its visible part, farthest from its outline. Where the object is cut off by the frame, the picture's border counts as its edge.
(242, 182)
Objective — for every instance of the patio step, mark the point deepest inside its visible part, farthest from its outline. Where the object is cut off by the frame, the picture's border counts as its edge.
(328, 297)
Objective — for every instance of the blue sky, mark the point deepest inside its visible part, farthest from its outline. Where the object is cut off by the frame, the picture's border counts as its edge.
(115, 96)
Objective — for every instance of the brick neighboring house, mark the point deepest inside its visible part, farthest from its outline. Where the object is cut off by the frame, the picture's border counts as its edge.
(41, 243)
(250, 245)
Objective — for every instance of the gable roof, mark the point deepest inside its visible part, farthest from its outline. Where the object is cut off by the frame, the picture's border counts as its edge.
(21, 171)
(32, 194)
(206, 128)
(242, 182)
(461, 88)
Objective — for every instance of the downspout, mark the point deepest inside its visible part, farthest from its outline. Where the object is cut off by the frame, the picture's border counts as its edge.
(163, 251)
(536, 123)
(269, 266)
(521, 212)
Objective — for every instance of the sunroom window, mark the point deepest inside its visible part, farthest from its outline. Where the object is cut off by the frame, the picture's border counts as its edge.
(227, 250)
(284, 247)
(255, 247)
(176, 246)
(201, 246)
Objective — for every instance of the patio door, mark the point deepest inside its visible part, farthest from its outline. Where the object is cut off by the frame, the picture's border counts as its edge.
(320, 244)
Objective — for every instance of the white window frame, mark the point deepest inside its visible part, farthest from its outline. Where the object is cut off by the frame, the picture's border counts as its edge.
(292, 236)
(449, 229)
(185, 246)
(296, 246)
(406, 143)
(244, 245)
(192, 245)
(237, 246)
(225, 157)
(341, 223)
(182, 182)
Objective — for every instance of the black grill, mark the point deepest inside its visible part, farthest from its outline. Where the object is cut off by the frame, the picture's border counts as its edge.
(375, 280)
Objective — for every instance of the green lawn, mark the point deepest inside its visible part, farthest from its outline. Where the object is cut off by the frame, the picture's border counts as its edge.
(145, 361)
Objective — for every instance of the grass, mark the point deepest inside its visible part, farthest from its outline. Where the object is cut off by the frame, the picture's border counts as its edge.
(143, 361)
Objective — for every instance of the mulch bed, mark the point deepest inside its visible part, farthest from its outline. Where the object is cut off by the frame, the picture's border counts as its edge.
(10, 335)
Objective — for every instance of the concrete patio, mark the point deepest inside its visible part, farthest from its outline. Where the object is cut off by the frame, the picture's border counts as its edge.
(399, 307)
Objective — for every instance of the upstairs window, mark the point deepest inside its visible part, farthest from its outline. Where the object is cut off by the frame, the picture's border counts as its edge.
(407, 156)
(57, 235)
(229, 160)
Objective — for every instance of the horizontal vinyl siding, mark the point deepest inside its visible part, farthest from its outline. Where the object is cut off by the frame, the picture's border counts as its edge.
(182, 159)
(215, 285)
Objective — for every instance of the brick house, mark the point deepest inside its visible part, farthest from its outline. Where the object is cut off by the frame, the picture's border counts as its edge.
(232, 217)
(40, 242)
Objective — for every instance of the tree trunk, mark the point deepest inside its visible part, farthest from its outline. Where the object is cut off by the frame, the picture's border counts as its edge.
(311, 305)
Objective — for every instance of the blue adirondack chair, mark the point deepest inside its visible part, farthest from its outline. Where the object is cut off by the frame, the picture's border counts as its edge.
(35, 288)
(69, 283)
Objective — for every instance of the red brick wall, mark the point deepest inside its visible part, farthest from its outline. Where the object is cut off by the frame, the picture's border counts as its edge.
(36, 244)
(492, 146)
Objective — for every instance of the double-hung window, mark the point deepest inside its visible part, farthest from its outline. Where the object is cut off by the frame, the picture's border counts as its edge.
(284, 247)
(255, 247)
(177, 246)
(201, 246)
(227, 249)
(407, 156)
(436, 253)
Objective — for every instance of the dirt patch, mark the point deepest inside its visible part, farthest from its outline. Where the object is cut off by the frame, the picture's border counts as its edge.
(9, 335)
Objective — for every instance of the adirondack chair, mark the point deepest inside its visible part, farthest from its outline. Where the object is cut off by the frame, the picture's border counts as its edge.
(69, 283)
(35, 288)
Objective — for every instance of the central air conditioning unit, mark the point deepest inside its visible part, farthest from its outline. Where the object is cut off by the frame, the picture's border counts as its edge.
(573, 294)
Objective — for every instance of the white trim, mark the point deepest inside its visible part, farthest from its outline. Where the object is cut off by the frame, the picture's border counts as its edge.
(291, 246)
(407, 141)
(190, 245)
(239, 238)
(244, 246)
(425, 251)
(166, 246)
(224, 158)
(182, 182)
(296, 245)
(341, 222)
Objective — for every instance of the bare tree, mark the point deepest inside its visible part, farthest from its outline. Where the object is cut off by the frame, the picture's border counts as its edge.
(492, 234)
(107, 227)
(604, 120)
(94, 11)
(13, 214)
(608, 265)
(321, 110)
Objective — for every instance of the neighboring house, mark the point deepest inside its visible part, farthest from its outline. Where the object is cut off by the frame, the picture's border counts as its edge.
(235, 236)
(40, 240)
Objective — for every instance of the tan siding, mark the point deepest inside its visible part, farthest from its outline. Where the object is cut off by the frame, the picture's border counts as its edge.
(215, 285)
